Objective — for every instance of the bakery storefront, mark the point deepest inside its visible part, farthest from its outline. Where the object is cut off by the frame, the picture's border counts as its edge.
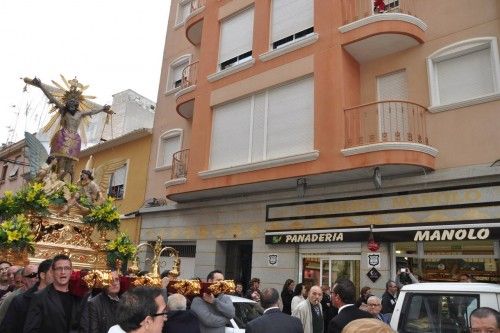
(437, 233)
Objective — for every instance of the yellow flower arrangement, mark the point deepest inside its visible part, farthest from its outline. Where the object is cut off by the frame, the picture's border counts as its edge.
(104, 216)
(15, 233)
(31, 199)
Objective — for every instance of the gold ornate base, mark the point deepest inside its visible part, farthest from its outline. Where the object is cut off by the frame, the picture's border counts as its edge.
(19, 258)
(68, 235)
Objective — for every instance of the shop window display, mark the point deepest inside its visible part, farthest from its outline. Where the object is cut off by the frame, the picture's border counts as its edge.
(446, 261)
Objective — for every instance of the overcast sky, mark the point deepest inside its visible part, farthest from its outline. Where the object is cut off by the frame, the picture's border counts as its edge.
(111, 45)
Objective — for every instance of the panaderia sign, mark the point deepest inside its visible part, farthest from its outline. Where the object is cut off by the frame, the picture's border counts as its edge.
(466, 213)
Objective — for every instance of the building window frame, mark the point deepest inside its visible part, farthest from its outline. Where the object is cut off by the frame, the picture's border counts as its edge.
(179, 17)
(456, 50)
(118, 191)
(160, 165)
(179, 63)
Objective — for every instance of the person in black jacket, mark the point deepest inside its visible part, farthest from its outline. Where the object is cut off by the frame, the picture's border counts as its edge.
(287, 295)
(180, 320)
(344, 296)
(55, 309)
(15, 316)
(102, 308)
(273, 320)
(390, 297)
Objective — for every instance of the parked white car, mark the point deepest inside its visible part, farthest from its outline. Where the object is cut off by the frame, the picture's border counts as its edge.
(245, 310)
(441, 307)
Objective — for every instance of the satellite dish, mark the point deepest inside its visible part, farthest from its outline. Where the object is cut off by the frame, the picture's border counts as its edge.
(377, 178)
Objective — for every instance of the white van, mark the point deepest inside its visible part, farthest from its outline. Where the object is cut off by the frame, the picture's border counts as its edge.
(441, 307)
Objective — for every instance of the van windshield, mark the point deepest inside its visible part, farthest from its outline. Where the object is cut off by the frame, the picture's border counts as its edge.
(438, 313)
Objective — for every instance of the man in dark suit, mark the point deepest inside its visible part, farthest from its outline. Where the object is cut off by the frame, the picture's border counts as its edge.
(344, 296)
(54, 309)
(273, 320)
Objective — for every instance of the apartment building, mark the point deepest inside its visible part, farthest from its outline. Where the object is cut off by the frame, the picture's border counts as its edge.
(313, 139)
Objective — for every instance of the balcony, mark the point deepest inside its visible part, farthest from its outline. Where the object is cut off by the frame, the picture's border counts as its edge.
(386, 126)
(194, 22)
(370, 32)
(185, 96)
(179, 168)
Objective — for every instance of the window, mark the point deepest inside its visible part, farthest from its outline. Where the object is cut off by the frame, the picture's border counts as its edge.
(275, 123)
(117, 183)
(291, 20)
(464, 74)
(438, 313)
(183, 11)
(170, 143)
(175, 72)
(393, 117)
(15, 169)
(5, 168)
(236, 37)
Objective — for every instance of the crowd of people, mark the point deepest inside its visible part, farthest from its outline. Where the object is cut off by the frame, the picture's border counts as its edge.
(38, 299)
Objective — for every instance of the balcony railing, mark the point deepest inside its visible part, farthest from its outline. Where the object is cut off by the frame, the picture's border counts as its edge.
(179, 164)
(195, 4)
(189, 75)
(354, 10)
(385, 121)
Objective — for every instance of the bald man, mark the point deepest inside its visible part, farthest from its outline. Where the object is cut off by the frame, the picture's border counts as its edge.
(309, 311)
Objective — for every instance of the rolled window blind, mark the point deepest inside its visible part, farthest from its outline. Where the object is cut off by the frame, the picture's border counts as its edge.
(236, 35)
(290, 17)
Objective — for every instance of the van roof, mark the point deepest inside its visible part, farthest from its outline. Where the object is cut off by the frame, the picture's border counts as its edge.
(453, 286)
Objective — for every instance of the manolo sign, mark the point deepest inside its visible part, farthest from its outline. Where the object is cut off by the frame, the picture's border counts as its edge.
(451, 234)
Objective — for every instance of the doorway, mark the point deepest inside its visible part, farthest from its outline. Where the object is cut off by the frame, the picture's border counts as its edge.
(239, 261)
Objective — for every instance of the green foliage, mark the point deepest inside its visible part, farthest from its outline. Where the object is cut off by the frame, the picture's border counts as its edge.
(104, 216)
(122, 246)
(15, 233)
(31, 199)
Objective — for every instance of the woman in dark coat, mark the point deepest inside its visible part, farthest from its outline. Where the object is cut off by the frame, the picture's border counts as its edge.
(287, 295)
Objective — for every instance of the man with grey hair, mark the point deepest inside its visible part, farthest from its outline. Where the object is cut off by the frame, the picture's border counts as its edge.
(374, 305)
(273, 320)
(310, 313)
(27, 277)
(180, 320)
(485, 319)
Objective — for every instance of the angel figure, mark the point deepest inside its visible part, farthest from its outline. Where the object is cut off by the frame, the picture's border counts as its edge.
(66, 141)
(91, 185)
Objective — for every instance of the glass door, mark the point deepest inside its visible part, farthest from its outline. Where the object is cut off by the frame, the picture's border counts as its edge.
(325, 270)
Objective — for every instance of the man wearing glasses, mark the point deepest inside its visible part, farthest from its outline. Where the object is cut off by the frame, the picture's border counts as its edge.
(54, 309)
(18, 309)
(141, 310)
(374, 307)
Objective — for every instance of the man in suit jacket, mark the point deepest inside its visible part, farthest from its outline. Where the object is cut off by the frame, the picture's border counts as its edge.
(273, 320)
(54, 309)
(310, 313)
(344, 297)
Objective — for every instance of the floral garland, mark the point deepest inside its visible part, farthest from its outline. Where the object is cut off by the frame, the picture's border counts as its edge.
(104, 216)
(15, 233)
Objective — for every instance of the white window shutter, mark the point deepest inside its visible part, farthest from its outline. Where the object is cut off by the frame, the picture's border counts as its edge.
(119, 176)
(464, 77)
(290, 16)
(236, 35)
(290, 124)
(177, 73)
(393, 117)
(230, 134)
(258, 127)
(170, 146)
